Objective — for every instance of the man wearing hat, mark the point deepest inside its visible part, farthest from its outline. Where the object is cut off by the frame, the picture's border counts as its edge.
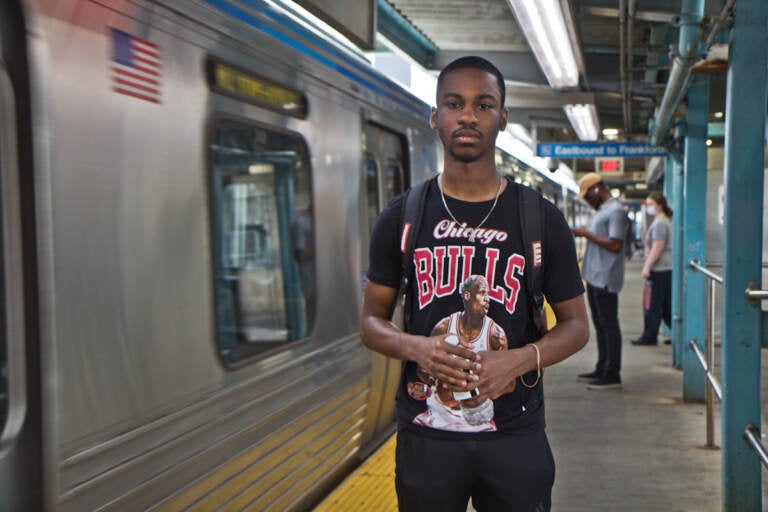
(603, 270)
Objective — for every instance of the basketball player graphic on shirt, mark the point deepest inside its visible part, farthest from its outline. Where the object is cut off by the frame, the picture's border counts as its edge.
(474, 329)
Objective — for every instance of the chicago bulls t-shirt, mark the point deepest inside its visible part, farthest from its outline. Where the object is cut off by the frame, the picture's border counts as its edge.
(446, 253)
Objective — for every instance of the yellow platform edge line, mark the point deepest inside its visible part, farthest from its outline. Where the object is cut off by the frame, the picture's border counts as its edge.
(369, 487)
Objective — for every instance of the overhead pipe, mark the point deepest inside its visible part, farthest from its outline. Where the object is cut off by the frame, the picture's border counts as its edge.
(623, 64)
(681, 71)
(724, 13)
(684, 58)
(631, 9)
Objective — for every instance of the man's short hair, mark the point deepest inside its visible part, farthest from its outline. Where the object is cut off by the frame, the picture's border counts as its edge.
(474, 62)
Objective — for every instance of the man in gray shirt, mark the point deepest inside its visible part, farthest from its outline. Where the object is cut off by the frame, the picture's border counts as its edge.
(603, 270)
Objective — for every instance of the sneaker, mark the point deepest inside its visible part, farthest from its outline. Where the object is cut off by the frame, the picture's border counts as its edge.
(641, 341)
(590, 376)
(605, 383)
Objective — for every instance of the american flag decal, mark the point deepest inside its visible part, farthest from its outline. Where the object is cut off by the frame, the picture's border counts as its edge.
(135, 66)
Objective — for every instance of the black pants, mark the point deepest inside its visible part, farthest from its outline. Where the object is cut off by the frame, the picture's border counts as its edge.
(604, 306)
(509, 473)
(657, 304)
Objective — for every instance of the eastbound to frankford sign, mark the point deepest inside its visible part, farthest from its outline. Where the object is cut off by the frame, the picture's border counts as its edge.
(598, 149)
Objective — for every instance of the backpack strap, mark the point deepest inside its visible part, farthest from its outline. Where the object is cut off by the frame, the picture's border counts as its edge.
(531, 218)
(413, 210)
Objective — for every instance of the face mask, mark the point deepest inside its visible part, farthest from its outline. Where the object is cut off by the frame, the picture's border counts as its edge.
(650, 210)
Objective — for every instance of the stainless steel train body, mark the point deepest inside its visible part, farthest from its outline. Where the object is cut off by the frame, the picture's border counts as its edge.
(187, 192)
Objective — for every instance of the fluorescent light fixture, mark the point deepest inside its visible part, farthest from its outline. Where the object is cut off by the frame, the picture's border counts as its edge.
(545, 28)
(611, 133)
(256, 169)
(519, 132)
(583, 118)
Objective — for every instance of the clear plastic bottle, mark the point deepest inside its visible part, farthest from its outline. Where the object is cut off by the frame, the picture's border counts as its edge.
(479, 414)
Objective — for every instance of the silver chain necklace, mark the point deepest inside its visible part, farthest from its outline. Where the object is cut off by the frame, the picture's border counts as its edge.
(496, 200)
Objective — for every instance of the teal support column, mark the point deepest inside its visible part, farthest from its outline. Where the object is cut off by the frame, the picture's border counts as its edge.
(668, 193)
(742, 251)
(669, 171)
(677, 260)
(694, 236)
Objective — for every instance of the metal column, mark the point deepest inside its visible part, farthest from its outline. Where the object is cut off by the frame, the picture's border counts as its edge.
(669, 171)
(742, 250)
(694, 236)
(677, 261)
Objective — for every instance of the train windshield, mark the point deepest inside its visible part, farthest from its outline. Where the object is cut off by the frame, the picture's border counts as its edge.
(263, 239)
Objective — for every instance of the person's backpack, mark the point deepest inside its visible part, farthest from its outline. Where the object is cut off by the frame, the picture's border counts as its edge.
(630, 240)
(530, 205)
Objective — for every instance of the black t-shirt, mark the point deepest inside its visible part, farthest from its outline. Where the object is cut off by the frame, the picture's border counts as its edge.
(444, 257)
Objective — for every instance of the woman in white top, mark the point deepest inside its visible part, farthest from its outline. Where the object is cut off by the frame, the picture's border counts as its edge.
(657, 271)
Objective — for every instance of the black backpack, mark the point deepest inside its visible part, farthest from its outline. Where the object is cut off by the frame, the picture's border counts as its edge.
(530, 205)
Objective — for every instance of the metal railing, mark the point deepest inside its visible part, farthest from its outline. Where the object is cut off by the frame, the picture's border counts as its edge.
(751, 433)
(708, 362)
(752, 437)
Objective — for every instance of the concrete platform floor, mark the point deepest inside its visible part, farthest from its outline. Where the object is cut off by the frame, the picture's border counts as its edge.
(638, 448)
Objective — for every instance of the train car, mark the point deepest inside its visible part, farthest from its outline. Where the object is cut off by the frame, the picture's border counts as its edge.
(187, 190)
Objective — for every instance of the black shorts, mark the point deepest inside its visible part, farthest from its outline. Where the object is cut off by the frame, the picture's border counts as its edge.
(507, 473)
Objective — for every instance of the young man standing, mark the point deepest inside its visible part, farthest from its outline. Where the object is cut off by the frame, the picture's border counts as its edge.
(470, 226)
(603, 270)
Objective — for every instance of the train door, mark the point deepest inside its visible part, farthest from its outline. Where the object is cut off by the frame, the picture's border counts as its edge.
(385, 168)
(20, 439)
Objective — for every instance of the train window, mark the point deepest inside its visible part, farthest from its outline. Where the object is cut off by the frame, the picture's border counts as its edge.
(3, 383)
(263, 238)
(393, 180)
(371, 190)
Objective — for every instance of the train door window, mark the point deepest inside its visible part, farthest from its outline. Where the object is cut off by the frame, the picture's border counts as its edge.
(263, 238)
(13, 363)
(393, 179)
(385, 176)
(371, 190)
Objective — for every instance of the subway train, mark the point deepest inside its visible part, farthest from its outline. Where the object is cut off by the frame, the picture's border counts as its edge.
(186, 193)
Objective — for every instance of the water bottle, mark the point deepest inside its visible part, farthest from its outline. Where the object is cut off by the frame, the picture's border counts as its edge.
(479, 414)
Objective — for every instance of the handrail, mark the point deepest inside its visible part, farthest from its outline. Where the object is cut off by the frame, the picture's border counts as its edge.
(710, 377)
(752, 438)
(695, 265)
(719, 264)
(755, 295)
(709, 362)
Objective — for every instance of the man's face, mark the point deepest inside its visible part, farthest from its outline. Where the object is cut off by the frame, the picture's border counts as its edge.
(479, 299)
(592, 197)
(469, 115)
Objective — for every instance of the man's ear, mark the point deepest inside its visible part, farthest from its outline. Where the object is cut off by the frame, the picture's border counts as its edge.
(503, 119)
(433, 118)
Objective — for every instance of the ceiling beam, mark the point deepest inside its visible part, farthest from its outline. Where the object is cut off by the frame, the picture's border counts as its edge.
(515, 66)
(404, 34)
(652, 16)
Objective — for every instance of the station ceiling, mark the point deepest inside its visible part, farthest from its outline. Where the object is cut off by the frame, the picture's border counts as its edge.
(625, 41)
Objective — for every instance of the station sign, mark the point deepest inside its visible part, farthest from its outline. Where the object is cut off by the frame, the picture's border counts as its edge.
(598, 150)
